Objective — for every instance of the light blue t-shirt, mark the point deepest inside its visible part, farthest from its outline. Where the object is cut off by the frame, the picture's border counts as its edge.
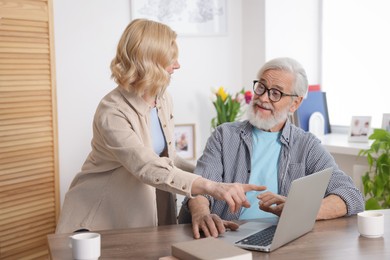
(265, 155)
(156, 132)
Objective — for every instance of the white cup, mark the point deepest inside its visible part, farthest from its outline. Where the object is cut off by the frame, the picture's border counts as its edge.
(371, 224)
(85, 246)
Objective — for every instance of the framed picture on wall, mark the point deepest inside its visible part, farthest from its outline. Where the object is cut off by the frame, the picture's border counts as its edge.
(386, 122)
(189, 18)
(360, 129)
(185, 140)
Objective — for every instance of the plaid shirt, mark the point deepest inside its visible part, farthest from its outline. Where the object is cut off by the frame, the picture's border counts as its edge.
(227, 158)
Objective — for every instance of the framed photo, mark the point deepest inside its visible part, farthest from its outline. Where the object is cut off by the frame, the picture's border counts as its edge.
(386, 122)
(185, 140)
(360, 129)
(185, 17)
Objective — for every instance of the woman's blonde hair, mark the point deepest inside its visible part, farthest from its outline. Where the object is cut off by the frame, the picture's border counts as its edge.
(145, 50)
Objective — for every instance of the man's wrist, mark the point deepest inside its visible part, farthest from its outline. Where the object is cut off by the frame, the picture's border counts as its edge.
(199, 204)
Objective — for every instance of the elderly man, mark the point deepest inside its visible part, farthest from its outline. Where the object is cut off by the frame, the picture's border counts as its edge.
(267, 150)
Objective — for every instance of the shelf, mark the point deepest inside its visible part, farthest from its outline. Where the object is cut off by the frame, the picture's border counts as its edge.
(338, 143)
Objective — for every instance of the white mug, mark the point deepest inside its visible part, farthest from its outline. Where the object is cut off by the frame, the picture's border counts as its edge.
(371, 224)
(85, 246)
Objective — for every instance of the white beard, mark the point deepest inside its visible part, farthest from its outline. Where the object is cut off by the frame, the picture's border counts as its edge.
(257, 120)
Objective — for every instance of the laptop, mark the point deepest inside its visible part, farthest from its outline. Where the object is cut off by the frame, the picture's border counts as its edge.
(298, 216)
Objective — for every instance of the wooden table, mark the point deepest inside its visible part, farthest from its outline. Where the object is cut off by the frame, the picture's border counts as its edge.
(331, 239)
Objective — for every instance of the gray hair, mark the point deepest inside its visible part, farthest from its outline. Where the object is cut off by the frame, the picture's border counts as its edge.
(301, 84)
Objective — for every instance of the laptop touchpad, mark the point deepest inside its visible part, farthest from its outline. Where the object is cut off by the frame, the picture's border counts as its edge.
(244, 230)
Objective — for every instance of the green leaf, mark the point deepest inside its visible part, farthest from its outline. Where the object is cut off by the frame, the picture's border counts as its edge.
(235, 107)
(370, 160)
(376, 182)
(221, 113)
(214, 122)
(365, 181)
(372, 203)
(379, 187)
(387, 202)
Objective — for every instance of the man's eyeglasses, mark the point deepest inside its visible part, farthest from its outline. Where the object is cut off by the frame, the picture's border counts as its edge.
(273, 94)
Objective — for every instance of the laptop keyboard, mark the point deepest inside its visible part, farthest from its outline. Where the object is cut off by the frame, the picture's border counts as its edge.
(261, 238)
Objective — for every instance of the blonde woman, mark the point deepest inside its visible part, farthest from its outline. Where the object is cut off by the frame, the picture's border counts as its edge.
(129, 176)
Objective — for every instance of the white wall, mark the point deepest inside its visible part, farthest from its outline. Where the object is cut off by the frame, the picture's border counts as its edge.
(355, 59)
(293, 29)
(87, 32)
(253, 38)
(206, 63)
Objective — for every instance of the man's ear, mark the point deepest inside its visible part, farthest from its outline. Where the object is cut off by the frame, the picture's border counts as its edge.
(295, 104)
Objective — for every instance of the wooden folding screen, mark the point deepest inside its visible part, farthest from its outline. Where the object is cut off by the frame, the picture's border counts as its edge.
(29, 201)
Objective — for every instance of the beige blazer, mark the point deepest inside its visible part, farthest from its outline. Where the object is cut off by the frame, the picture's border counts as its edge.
(116, 186)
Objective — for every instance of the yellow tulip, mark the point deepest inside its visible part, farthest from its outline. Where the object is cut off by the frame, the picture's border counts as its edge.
(222, 93)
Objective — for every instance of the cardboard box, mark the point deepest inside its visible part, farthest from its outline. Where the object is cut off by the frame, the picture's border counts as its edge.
(209, 249)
